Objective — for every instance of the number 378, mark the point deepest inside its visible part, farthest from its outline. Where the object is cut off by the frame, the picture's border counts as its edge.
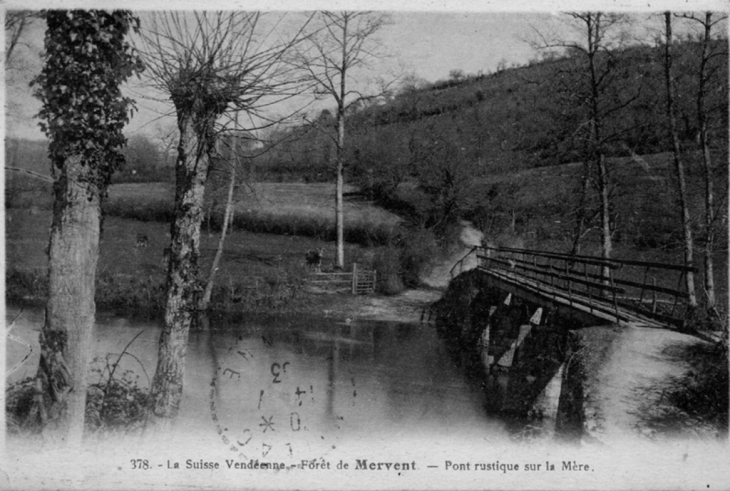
(140, 464)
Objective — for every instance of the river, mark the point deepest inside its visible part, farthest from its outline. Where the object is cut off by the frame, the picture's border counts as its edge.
(293, 387)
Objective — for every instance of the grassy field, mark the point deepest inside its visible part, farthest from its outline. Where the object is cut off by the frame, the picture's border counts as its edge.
(280, 208)
(259, 270)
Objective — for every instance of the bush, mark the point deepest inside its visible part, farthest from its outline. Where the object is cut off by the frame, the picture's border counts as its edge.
(115, 403)
(702, 392)
(267, 290)
(319, 227)
(149, 210)
(133, 293)
(696, 402)
(18, 405)
(388, 268)
(22, 283)
(417, 247)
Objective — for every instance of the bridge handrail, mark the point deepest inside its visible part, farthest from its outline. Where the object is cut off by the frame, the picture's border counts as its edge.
(659, 289)
(460, 262)
(598, 279)
(561, 276)
(593, 260)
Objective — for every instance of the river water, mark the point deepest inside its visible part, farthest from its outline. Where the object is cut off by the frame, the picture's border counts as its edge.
(290, 388)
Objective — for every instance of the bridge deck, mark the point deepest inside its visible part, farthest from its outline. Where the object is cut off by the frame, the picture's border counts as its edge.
(622, 291)
(593, 306)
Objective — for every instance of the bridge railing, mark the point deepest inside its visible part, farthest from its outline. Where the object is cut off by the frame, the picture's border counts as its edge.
(655, 290)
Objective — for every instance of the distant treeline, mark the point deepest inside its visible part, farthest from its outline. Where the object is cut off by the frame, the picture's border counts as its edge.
(25, 160)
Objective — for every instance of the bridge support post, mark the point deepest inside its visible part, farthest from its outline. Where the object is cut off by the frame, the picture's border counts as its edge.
(508, 358)
(547, 403)
(486, 359)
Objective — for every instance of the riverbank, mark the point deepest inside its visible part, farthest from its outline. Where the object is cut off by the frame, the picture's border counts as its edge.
(407, 307)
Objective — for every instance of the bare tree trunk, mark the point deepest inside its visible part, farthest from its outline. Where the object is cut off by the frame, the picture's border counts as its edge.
(221, 242)
(595, 32)
(686, 224)
(182, 277)
(339, 202)
(580, 218)
(15, 24)
(707, 166)
(66, 335)
(607, 244)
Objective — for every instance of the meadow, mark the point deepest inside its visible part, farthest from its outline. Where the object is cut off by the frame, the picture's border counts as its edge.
(274, 208)
(258, 272)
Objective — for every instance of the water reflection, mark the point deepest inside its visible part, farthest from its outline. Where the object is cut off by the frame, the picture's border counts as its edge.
(276, 386)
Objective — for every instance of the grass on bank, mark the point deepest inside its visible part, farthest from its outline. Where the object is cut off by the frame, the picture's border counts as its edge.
(275, 208)
(257, 271)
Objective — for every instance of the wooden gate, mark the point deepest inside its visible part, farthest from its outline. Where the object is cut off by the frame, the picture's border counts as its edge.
(357, 282)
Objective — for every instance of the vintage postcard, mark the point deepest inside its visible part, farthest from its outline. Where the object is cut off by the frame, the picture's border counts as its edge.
(359, 245)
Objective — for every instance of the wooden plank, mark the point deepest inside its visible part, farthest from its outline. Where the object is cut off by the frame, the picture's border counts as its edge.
(595, 308)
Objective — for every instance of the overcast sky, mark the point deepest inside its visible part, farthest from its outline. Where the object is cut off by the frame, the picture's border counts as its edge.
(428, 38)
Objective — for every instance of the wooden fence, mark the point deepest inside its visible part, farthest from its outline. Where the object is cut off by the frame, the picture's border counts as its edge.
(357, 282)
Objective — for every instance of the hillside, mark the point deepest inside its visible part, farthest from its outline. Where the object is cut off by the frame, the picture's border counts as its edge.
(517, 118)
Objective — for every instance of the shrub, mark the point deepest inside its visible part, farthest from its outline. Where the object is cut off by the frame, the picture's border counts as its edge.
(22, 283)
(148, 210)
(18, 405)
(115, 403)
(143, 293)
(417, 247)
(695, 403)
(388, 268)
(270, 291)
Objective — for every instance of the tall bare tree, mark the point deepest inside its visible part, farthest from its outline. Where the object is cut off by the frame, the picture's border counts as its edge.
(86, 60)
(209, 64)
(596, 37)
(343, 43)
(678, 163)
(232, 164)
(16, 22)
(706, 73)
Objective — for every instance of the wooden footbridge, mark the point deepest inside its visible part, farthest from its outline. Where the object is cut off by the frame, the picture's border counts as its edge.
(612, 290)
(495, 311)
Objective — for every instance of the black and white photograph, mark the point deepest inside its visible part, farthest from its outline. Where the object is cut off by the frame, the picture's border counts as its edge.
(365, 245)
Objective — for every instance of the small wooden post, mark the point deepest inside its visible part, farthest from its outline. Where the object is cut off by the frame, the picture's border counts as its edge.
(643, 287)
(588, 286)
(354, 278)
(613, 290)
(676, 297)
(485, 347)
(653, 304)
